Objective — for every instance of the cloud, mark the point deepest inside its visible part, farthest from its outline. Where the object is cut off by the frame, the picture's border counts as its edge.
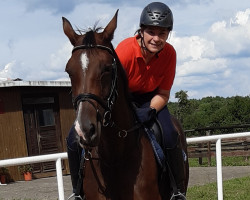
(217, 62)
(241, 18)
(54, 6)
(7, 71)
(201, 67)
(233, 36)
(193, 47)
(60, 58)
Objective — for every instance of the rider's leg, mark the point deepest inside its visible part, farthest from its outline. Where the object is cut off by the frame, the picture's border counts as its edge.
(173, 148)
(74, 158)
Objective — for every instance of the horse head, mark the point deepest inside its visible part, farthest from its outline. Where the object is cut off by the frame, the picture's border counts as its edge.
(92, 71)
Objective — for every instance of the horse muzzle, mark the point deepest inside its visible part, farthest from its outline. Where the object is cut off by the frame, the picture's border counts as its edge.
(89, 136)
(88, 127)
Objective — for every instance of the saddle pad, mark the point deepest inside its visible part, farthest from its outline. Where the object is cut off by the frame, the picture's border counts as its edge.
(159, 154)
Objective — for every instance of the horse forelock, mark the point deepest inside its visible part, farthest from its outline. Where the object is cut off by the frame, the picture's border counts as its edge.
(89, 38)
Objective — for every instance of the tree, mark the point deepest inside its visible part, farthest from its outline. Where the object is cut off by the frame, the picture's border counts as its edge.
(182, 97)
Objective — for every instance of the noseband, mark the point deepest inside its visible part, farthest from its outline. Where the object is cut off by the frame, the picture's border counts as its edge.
(108, 104)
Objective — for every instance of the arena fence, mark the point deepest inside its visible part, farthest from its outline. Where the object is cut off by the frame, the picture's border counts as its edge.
(59, 156)
(43, 158)
(217, 139)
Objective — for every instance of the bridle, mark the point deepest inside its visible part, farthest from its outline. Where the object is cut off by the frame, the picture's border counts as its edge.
(108, 104)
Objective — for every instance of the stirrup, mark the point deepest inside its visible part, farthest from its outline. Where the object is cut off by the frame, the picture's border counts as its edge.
(76, 197)
(178, 196)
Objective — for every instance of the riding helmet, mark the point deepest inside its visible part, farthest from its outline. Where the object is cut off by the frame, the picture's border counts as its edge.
(157, 14)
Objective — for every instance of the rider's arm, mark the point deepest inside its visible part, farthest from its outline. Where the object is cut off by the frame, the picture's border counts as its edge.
(160, 99)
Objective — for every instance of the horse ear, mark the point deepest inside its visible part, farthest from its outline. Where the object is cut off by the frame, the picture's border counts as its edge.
(110, 28)
(69, 31)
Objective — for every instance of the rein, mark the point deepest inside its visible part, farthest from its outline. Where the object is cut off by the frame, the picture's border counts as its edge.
(90, 159)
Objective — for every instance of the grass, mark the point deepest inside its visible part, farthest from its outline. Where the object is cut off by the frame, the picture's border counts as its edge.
(235, 189)
(226, 161)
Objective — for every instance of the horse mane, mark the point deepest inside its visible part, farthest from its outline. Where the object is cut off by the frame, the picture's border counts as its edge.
(124, 79)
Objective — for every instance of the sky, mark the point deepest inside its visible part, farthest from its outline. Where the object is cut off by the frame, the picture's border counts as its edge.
(211, 38)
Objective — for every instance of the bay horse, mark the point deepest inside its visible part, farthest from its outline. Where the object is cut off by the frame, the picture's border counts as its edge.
(119, 159)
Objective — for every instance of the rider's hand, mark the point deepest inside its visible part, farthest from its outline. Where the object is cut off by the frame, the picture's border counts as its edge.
(145, 114)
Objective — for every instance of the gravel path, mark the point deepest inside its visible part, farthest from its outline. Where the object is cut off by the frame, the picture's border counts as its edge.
(46, 188)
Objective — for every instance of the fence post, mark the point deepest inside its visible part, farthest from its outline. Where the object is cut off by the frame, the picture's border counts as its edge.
(200, 145)
(59, 179)
(208, 149)
(219, 169)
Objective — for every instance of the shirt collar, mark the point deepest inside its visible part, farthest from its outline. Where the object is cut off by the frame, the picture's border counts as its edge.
(137, 48)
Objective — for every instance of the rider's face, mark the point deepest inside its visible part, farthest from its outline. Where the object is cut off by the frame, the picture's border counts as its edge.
(155, 38)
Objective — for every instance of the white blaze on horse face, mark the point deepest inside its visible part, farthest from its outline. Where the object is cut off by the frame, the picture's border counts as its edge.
(78, 130)
(77, 123)
(84, 61)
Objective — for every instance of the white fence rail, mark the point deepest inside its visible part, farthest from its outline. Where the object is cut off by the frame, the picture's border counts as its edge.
(217, 139)
(59, 156)
(43, 158)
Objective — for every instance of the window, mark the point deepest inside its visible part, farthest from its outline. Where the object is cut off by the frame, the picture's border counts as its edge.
(46, 117)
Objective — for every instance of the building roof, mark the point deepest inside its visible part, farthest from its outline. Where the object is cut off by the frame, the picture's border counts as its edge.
(35, 83)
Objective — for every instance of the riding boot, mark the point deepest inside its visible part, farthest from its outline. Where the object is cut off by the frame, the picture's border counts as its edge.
(176, 163)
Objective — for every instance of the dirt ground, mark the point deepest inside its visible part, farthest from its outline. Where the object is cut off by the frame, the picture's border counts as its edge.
(46, 188)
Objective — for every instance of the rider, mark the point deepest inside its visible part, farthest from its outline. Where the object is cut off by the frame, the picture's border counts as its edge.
(150, 64)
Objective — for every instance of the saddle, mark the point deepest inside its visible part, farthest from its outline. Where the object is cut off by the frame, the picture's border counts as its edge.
(155, 134)
(158, 132)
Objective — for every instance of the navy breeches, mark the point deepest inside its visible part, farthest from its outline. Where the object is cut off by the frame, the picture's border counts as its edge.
(169, 131)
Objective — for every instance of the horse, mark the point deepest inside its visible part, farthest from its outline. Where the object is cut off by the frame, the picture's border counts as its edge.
(119, 159)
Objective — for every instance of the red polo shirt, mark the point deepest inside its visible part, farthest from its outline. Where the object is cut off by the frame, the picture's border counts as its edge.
(158, 73)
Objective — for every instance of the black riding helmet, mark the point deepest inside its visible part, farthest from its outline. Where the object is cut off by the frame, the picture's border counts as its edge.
(157, 14)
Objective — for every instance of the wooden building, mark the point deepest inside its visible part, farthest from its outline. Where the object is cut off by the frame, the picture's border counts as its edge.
(35, 117)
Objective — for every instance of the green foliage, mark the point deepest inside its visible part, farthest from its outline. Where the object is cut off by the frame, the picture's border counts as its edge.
(211, 112)
(183, 104)
(25, 168)
(4, 171)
